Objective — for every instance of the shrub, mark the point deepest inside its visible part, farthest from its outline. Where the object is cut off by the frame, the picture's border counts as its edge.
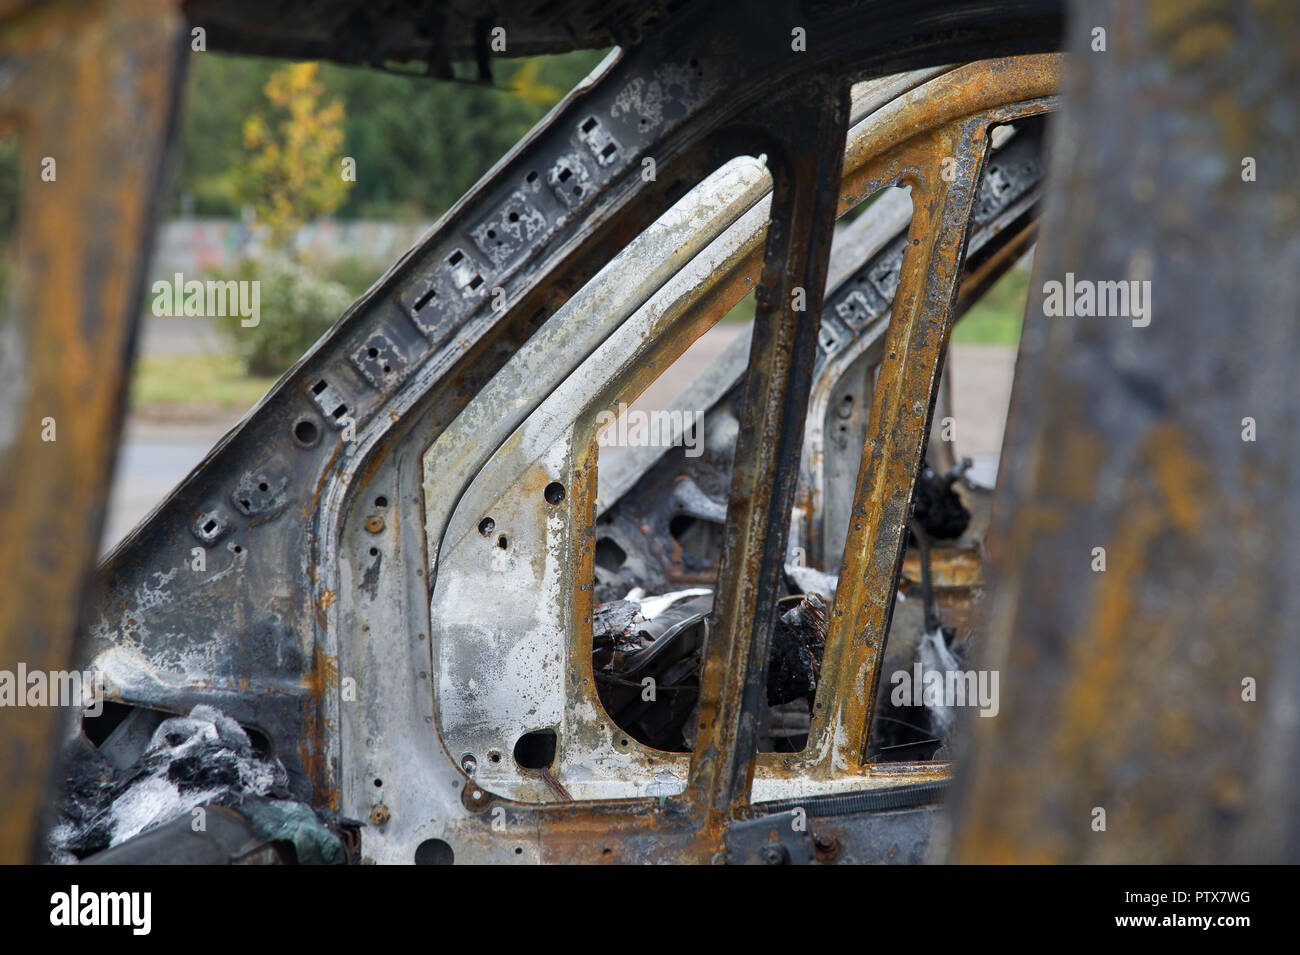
(297, 306)
(355, 273)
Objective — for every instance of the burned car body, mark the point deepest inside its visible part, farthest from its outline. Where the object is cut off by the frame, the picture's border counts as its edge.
(459, 576)
(354, 598)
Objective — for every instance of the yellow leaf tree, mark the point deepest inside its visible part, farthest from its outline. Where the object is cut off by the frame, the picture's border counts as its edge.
(528, 85)
(294, 171)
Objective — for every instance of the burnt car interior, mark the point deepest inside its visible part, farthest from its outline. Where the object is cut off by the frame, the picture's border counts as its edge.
(456, 604)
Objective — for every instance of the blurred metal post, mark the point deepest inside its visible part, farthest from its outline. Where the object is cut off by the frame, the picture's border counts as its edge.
(91, 87)
(1149, 709)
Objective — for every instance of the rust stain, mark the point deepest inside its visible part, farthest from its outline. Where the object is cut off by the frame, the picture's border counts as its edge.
(1097, 653)
(322, 679)
(1180, 476)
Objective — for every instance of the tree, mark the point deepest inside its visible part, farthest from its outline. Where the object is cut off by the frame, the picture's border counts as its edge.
(292, 171)
(419, 142)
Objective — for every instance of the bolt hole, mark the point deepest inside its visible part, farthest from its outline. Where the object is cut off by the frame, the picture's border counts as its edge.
(378, 783)
(381, 501)
(501, 542)
(372, 352)
(486, 526)
(434, 852)
(374, 552)
(554, 493)
(535, 750)
(305, 432)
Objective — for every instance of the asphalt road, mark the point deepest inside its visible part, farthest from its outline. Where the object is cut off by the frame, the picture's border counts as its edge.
(153, 460)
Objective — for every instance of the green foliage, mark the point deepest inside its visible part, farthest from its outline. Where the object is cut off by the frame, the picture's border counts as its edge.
(220, 92)
(292, 170)
(297, 306)
(996, 318)
(355, 273)
(419, 143)
(743, 311)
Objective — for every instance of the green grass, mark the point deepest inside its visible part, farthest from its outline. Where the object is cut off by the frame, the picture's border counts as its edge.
(199, 380)
(996, 318)
(742, 311)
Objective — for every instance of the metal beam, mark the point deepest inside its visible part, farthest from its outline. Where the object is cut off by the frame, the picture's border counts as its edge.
(77, 78)
(1126, 691)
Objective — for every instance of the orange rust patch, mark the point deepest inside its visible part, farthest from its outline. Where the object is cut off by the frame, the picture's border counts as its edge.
(1180, 477)
(322, 679)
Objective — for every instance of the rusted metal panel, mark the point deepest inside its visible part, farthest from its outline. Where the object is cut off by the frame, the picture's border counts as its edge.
(1123, 689)
(93, 87)
(810, 146)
